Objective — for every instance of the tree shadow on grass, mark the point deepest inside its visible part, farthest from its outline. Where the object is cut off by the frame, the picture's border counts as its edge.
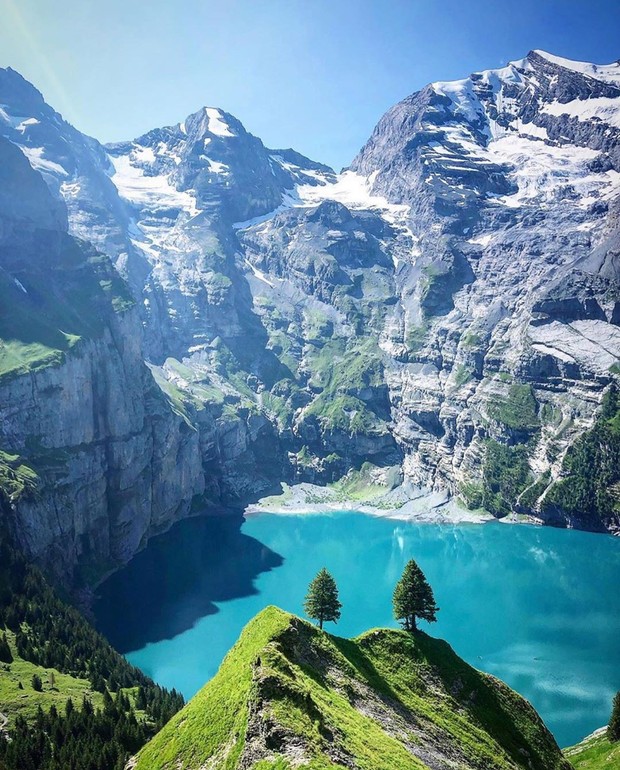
(176, 580)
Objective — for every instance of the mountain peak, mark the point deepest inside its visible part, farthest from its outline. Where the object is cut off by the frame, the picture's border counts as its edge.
(607, 73)
(211, 122)
(19, 93)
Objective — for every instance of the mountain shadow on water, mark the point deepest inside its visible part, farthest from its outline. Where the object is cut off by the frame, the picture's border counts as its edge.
(176, 580)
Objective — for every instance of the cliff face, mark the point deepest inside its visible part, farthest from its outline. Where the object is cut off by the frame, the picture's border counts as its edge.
(78, 405)
(449, 305)
(95, 457)
(288, 694)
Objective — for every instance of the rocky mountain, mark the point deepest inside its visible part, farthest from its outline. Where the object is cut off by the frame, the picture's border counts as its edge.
(445, 311)
(289, 695)
(88, 441)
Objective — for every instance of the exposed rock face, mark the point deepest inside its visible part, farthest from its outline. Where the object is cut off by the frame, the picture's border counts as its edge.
(451, 303)
(112, 461)
(512, 177)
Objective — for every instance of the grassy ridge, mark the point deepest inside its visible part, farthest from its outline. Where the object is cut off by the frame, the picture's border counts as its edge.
(215, 725)
(289, 695)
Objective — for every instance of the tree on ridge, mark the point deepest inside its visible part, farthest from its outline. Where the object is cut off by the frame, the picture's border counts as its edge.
(413, 598)
(321, 601)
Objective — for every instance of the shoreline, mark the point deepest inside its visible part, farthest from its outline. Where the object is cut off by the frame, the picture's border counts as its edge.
(403, 503)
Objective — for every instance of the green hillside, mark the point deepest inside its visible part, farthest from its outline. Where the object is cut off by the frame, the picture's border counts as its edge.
(68, 701)
(288, 695)
(595, 753)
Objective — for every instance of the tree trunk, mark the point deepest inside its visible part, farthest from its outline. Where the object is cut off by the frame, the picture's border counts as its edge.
(321, 623)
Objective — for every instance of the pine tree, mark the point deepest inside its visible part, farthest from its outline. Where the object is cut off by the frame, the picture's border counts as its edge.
(613, 729)
(413, 598)
(37, 684)
(321, 601)
(5, 651)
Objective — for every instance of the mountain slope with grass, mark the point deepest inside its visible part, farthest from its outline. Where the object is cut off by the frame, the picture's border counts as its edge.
(595, 752)
(67, 698)
(290, 695)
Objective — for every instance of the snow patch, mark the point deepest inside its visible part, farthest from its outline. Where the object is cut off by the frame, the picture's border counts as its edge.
(354, 191)
(541, 170)
(258, 273)
(482, 240)
(609, 73)
(149, 191)
(144, 154)
(38, 162)
(604, 108)
(462, 96)
(216, 125)
(215, 167)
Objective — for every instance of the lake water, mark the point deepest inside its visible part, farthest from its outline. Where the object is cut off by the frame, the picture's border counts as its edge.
(537, 607)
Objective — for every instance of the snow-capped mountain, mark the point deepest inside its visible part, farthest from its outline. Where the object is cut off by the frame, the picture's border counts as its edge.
(453, 294)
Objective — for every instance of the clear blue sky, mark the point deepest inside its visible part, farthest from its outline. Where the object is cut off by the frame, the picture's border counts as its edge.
(312, 74)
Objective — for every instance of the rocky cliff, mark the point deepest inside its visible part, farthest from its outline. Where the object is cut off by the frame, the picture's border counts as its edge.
(94, 456)
(448, 306)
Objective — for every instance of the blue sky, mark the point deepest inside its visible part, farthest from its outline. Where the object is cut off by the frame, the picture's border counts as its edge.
(312, 74)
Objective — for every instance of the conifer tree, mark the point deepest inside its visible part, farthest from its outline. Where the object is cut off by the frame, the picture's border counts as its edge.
(613, 729)
(5, 651)
(413, 598)
(321, 601)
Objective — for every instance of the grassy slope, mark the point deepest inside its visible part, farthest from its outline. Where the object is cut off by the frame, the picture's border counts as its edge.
(14, 701)
(288, 688)
(62, 303)
(594, 753)
(217, 718)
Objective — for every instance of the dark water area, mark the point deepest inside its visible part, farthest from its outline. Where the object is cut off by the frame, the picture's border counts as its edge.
(180, 578)
(537, 607)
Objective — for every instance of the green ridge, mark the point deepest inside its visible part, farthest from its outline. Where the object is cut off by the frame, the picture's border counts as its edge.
(288, 695)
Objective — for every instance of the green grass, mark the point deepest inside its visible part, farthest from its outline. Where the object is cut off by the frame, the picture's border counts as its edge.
(287, 690)
(341, 375)
(518, 409)
(213, 724)
(16, 478)
(69, 295)
(345, 413)
(15, 701)
(589, 486)
(416, 337)
(471, 340)
(462, 375)
(359, 484)
(505, 474)
(594, 753)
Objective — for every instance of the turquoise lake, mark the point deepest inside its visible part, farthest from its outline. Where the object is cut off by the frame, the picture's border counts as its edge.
(538, 607)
